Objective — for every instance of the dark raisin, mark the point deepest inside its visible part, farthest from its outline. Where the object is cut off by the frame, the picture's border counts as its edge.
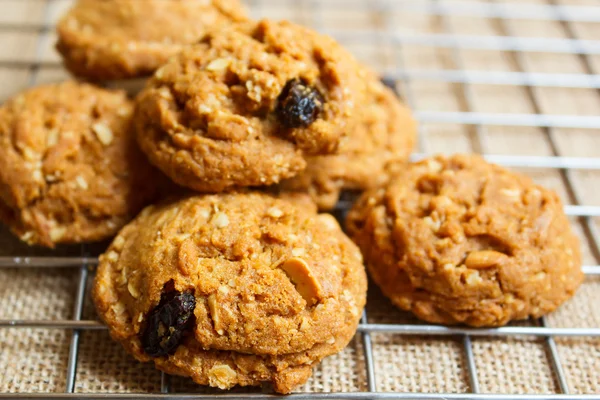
(299, 104)
(167, 323)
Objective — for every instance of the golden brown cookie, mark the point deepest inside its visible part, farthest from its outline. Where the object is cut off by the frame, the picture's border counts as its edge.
(117, 39)
(232, 289)
(458, 240)
(70, 170)
(385, 135)
(242, 107)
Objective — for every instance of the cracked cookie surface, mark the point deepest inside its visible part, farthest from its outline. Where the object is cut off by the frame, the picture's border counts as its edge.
(276, 288)
(460, 241)
(70, 169)
(245, 105)
(385, 135)
(118, 39)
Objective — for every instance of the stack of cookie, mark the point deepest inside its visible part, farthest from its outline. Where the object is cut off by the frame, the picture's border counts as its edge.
(242, 133)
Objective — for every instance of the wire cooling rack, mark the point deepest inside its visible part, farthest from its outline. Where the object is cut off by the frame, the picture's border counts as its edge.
(398, 31)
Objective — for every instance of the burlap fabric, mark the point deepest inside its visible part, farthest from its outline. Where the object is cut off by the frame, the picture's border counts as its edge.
(35, 360)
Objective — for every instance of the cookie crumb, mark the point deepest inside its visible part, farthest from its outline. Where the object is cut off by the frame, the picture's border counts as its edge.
(219, 64)
(27, 236)
(103, 132)
(118, 242)
(473, 278)
(81, 182)
(433, 224)
(514, 193)
(37, 175)
(112, 256)
(160, 73)
(305, 324)
(254, 91)
(29, 154)
(222, 376)
(433, 166)
(204, 213)
(221, 220)
(51, 178)
(57, 233)
(274, 212)
(133, 290)
(118, 308)
(540, 276)
(213, 307)
(124, 111)
(52, 138)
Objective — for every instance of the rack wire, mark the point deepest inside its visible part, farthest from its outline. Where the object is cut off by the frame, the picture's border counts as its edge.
(403, 79)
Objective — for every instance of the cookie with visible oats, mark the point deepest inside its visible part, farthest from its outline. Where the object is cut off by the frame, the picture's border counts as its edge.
(118, 39)
(70, 169)
(245, 105)
(460, 241)
(232, 289)
(386, 135)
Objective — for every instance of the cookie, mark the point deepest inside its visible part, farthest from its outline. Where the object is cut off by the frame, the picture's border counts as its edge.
(70, 169)
(244, 106)
(118, 39)
(386, 135)
(460, 241)
(232, 289)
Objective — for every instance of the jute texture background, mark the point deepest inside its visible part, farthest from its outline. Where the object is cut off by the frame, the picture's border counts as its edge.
(35, 360)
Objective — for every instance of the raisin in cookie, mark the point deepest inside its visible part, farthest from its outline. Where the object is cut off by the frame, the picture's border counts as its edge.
(117, 39)
(70, 169)
(244, 106)
(385, 135)
(458, 240)
(232, 289)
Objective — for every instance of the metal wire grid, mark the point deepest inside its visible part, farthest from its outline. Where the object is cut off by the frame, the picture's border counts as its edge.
(529, 79)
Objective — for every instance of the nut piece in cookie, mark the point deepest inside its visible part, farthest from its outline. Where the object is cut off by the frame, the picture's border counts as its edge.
(459, 241)
(118, 39)
(70, 169)
(259, 298)
(385, 135)
(246, 104)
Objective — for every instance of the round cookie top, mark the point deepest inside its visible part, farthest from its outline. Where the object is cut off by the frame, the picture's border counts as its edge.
(458, 240)
(246, 273)
(244, 105)
(117, 39)
(385, 135)
(70, 170)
